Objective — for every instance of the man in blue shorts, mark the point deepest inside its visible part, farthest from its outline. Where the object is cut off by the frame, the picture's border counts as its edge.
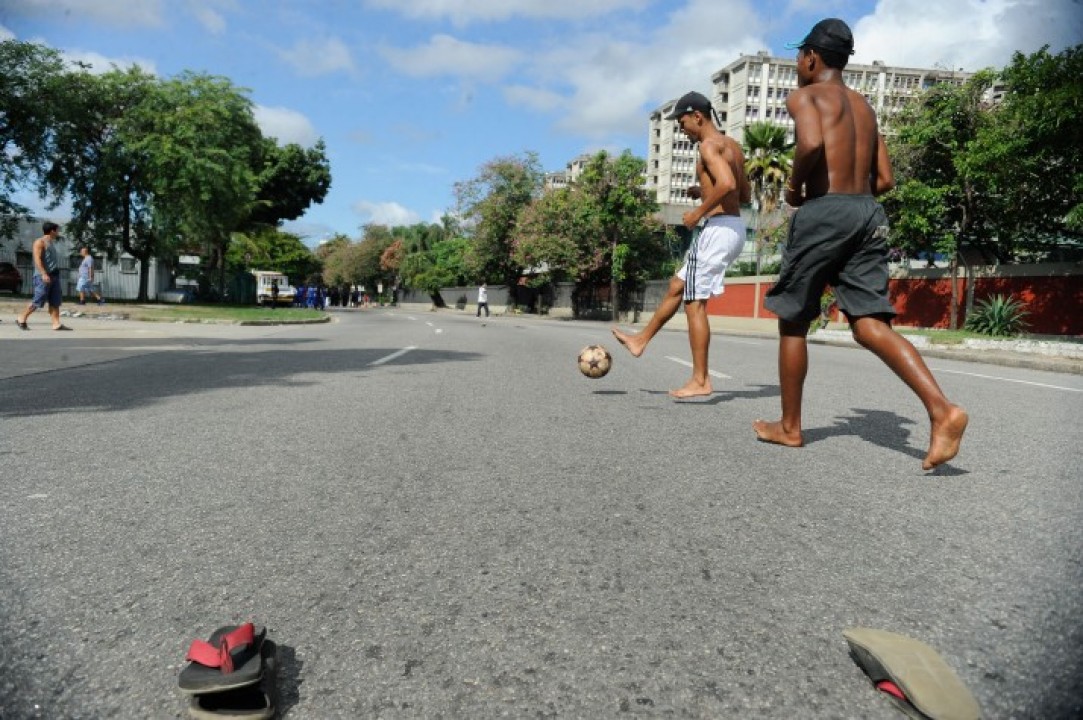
(838, 238)
(722, 188)
(86, 278)
(46, 278)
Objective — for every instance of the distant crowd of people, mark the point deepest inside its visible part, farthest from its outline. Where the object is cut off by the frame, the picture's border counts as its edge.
(320, 297)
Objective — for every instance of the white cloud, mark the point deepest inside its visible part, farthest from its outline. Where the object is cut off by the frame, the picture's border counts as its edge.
(385, 213)
(211, 20)
(445, 55)
(969, 34)
(288, 126)
(6, 34)
(533, 98)
(121, 13)
(609, 84)
(319, 57)
(463, 11)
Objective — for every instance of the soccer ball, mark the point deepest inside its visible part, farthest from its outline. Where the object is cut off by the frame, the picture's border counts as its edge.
(594, 361)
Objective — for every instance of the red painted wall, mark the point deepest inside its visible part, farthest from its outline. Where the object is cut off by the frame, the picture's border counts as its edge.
(1054, 300)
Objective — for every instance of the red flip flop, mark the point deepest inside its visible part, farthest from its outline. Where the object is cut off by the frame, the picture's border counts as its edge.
(254, 702)
(229, 659)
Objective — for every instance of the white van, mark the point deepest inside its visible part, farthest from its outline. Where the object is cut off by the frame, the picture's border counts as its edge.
(264, 278)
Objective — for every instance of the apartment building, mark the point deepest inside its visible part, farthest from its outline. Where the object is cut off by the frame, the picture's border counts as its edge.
(754, 88)
(563, 178)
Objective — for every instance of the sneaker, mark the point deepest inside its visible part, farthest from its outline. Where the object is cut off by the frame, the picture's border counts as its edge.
(81, 302)
(102, 301)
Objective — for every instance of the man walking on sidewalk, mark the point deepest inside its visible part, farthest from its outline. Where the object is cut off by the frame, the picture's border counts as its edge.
(46, 278)
(86, 278)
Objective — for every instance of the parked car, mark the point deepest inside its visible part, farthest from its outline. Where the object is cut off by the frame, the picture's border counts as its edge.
(10, 278)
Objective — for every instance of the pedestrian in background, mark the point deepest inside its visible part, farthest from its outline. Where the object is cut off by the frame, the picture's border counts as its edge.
(483, 300)
(86, 278)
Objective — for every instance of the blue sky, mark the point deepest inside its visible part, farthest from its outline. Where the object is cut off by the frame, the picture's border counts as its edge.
(413, 96)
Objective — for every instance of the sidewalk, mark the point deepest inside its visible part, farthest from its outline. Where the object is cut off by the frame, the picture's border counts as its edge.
(1052, 355)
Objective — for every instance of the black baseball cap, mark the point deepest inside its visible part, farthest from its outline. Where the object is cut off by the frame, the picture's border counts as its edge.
(690, 102)
(831, 34)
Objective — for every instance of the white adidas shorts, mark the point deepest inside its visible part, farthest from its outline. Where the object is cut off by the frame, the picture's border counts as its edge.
(713, 250)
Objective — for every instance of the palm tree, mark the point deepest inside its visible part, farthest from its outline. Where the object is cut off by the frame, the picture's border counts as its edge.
(768, 162)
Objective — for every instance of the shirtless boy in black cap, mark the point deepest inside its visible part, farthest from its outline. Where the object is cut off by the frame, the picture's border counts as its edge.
(838, 237)
(723, 186)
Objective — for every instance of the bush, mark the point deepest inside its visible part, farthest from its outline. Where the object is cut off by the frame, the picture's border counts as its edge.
(999, 316)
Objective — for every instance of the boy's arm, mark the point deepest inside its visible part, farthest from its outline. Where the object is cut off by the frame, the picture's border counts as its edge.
(810, 143)
(39, 248)
(884, 178)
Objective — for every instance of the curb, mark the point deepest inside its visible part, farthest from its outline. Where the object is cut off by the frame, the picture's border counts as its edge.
(1004, 358)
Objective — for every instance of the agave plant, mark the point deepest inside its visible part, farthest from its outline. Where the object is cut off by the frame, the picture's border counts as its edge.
(998, 315)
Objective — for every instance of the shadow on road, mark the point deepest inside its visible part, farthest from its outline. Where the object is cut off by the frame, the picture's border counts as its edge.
(146, 379)
(289, 682)
(721, 396)
(879, 427)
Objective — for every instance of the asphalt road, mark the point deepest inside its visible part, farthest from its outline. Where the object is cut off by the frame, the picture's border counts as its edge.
(438, 517)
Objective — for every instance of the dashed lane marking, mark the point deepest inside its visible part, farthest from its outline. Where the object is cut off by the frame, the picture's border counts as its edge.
(1004, 379)
(712, 373)
(392, 356)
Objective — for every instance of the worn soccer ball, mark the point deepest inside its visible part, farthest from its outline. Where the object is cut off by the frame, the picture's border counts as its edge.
(595, 361)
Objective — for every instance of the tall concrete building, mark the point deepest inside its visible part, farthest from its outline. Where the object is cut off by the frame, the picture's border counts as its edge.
(563, 178)
(754, 88)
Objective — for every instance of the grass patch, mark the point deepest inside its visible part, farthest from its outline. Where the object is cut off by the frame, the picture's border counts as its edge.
(218, 313)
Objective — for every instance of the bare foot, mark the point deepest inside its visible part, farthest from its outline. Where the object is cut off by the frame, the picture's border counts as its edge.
(945, 437)
(692, 389)
(635, 344)
(773, 432)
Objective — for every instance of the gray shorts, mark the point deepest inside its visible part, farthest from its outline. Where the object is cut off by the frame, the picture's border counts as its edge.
(837, 240)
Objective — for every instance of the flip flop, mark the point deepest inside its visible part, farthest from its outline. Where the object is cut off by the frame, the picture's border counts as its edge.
(231, 658)
(910, 673)
(255, 702)
(22, 325)
(62, 327)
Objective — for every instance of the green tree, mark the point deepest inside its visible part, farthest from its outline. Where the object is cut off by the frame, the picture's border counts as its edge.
(768, 164)
(31, 80)
(289, 180)
(200, 143)
(97, 167)
(273, 249)
(938, 203)
(1027, 161)
(490, 204)
(624, 214)
(559, 231)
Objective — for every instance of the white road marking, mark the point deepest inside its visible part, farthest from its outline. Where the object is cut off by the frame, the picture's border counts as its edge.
(712, 373)
(1004, 379)
(429, 324)
(439, 330)
(392, 356)
(411, 317)
(37, 496)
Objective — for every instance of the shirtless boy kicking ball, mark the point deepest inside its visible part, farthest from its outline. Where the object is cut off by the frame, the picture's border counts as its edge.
(722, 188)
(838, 237)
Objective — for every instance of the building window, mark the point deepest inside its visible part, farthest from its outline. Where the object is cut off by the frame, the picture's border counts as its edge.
(128, 265)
